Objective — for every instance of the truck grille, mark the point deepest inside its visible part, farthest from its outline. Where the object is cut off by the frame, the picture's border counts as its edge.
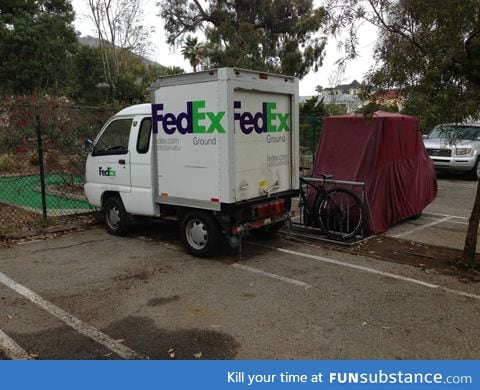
(439, 152)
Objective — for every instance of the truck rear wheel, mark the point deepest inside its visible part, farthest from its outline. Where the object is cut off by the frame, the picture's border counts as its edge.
(200, 233)
(115, 216)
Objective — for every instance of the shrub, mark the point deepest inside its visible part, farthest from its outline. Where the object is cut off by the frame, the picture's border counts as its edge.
(7, 164)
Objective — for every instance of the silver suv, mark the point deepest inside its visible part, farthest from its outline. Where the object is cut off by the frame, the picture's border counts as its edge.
(455, 148)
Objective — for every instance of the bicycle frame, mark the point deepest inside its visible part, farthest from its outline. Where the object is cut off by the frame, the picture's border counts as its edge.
(321, 212)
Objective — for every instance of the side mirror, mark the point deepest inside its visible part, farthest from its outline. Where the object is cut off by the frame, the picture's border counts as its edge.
(425, 136)
(89, 146)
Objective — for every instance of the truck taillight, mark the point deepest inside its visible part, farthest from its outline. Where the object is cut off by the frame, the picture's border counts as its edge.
(271, 208)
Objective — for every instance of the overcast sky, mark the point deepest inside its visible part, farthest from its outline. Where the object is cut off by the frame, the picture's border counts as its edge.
(165, 55)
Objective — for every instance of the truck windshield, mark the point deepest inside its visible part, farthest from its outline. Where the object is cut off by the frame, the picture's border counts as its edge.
(471, 133)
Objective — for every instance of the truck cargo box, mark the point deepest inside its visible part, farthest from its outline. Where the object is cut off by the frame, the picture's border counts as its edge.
(224, 136)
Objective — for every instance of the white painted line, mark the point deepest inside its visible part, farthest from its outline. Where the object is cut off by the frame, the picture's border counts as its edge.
(72, 321)
(449, 221)
(445, 215)
(271, 275)
(372, 271)
(456, 186)
(421, 227)
(12, 349)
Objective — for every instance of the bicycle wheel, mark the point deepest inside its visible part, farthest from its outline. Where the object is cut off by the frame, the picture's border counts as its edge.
(340, 214)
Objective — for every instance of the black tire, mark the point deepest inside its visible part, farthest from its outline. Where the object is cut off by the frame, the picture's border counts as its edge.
(340, 214)
(267, 231)
(200, 234)
(115, 218)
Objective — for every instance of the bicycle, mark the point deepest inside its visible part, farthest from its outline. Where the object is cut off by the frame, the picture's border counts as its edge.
(338, 212)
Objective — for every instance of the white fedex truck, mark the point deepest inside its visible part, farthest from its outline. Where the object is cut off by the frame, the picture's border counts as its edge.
(216, 151)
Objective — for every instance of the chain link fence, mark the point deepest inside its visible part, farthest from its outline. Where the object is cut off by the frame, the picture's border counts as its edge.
(42, 160)
(310, 127)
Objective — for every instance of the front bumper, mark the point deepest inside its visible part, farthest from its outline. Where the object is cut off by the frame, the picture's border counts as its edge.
(454, 163)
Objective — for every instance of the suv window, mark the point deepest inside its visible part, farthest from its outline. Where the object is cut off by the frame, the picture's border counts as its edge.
(143, 141)
(471, 133)
(114, 139)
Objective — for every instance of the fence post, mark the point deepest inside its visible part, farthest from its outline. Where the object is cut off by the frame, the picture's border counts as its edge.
(42, 168)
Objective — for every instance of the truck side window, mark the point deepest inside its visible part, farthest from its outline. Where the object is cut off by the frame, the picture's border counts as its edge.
(143, 141)
(114, 139)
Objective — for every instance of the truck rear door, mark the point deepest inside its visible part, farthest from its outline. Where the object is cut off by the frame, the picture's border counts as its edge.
(263, 151)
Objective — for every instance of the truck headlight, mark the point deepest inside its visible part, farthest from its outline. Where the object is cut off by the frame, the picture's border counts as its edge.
(463, 151)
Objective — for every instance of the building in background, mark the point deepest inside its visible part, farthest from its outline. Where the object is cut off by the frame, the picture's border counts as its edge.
(346, 95)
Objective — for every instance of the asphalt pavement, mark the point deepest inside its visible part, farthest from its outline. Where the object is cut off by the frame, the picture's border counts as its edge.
(90, 295)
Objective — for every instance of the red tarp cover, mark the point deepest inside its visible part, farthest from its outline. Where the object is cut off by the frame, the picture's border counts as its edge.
(387, 153)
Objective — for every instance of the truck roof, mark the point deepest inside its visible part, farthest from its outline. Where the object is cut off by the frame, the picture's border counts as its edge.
(137, 109)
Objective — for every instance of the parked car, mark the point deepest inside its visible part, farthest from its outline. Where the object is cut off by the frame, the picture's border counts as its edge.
(455, 148)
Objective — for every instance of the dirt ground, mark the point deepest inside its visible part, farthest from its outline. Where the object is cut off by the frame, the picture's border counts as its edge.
(428, 257)
(17, 224)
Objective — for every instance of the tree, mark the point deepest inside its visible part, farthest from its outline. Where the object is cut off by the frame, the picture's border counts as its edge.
(432, 51)
(192, 51)
(311, 113)
(36, 39)
(120, 32)
(270, 35)
(86, 75)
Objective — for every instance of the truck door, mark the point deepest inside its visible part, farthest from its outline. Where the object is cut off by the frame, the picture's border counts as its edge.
(109, 166)
(141, 200)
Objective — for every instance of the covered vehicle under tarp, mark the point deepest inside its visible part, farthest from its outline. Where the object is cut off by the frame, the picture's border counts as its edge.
(386, 152)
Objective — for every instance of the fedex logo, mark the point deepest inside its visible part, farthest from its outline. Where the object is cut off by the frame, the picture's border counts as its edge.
(107, 172)
(195, 120)
(266, 121)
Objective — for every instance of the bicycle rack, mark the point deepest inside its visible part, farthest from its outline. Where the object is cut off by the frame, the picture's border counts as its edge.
(297, 226)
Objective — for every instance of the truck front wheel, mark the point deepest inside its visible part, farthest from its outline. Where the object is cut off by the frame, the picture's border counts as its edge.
(115, 216)
(200, 233)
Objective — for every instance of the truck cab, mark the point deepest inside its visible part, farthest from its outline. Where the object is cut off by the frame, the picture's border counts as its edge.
(119, 165)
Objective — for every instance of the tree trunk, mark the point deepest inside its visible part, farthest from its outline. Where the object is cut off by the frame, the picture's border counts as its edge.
(472, 231)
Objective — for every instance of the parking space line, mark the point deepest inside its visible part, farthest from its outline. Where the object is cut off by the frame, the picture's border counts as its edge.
(371, 270)
(12, 349)
(421, 227)
(449, 221)
(454, 185)
(72, 321)
(444, 215)
(271, 275)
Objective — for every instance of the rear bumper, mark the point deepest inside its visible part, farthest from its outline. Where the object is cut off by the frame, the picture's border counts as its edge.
(244, 227)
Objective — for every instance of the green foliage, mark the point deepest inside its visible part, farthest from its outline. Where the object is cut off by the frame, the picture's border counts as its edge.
(7, 164)
(311, 120)
(335, 109)
(371, 107)
(85, 75)
(87, 83)
(36, 39)
(193, 51)
(271, 35)
(436, 61)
